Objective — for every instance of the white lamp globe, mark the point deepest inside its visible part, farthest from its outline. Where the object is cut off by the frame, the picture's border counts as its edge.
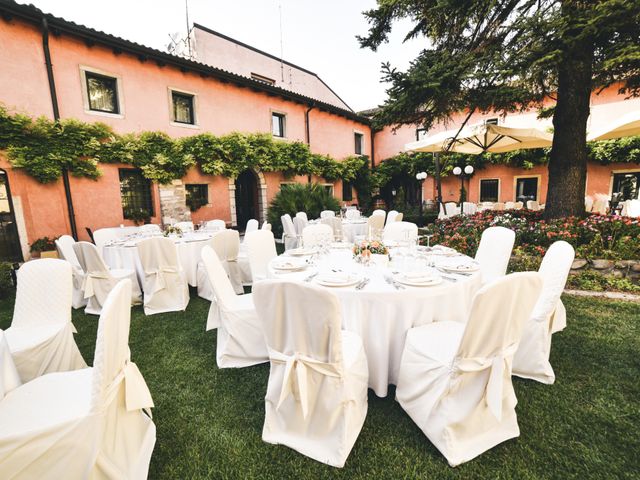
(418, 176)
(424, 175)
(457, 171)
(468, 169)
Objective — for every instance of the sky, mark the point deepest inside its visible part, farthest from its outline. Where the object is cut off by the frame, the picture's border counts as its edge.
(319, 35)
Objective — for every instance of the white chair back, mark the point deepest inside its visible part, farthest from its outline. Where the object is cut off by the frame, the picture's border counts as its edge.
(102, 236)
(158, 253)
(252, 226)
(400, 217)
(400, 232)
(90, 259)
(288, 227)
(215, 225)
(469, 208)
(336, 226)
(316, 235)
(554, 271)
(327, 214)
(149, 228)
(64, 245)
(533, 205)
(184, 227)
(352, 214)
(498, 206)
(391, 217)
(266, 226)
(633, 208)
(300, 224)
(494, 252)
(222, 288)
(226, 245)
(261, 249)
(518, 205)
(510, 205)
(303, 216)
(380, 212)
(375, 225)
(44, 293)
(588, 203)
(451, 209)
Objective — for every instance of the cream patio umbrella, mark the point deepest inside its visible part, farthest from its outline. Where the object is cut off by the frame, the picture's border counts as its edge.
(483, 138)
(624, 126)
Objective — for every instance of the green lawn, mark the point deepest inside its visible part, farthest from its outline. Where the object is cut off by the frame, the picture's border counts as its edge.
(210, 421)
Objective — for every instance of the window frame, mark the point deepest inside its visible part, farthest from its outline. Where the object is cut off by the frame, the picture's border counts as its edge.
(418, 130)
(622, 172)
(346, 183)
(151, 203)
(480, 180)
(282, 123)
(202, 187)
(524, 177)
(194, 104)
(85, 72)
(356, 135)
(330, 187)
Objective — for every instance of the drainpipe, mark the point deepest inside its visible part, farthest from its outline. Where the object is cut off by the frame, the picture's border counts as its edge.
(373, 147)
(307, 131)
(56, 117)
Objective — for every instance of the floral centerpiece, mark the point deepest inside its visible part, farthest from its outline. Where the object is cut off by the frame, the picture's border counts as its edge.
(172, 231)
(373, 251)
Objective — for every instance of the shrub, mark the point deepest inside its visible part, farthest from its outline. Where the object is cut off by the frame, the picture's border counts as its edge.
(6, 279)
(43, 244)
(300, 197)
(595, 281)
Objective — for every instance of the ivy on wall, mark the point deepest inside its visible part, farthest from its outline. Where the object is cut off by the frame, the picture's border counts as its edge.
(43, 148)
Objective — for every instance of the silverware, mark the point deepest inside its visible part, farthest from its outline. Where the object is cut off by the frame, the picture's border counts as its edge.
(310, 277)
(391, 281)
(362, 284)
(464, 274)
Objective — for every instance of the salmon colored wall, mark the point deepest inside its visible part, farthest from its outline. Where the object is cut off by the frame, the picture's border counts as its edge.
(218, 206)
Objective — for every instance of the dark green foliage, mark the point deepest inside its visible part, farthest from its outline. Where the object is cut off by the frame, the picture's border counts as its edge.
(44, 244)
(6, 280)
(311, 198)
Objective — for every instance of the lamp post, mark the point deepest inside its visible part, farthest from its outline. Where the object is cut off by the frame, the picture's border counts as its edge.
(468, 171)
(421, 177)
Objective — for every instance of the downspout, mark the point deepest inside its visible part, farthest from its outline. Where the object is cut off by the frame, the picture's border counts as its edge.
(307, 131)
(373, 147)
(56, 117)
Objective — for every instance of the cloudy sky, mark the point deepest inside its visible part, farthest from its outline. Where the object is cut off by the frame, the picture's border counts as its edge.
(317, 34)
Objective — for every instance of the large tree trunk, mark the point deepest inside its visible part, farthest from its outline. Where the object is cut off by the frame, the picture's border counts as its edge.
(568, 162)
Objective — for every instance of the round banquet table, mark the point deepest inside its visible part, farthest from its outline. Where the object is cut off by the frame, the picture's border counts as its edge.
(9, 377)
(125, 255)
(381, 314)
(354, 228)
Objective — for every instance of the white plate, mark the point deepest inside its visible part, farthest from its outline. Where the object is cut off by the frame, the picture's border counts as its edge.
(289, 265)
(333, 280)
(426, 281)
(471, 268)
(299, 252)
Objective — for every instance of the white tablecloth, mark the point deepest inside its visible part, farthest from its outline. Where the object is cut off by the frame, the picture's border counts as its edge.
(9, 378)
(189, 248)
(382, 315)
(353, 228)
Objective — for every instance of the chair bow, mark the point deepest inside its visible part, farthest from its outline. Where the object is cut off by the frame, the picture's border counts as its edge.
(137, 395)
(295, 372)
(494, 388)
(160, 282)
(87, 285)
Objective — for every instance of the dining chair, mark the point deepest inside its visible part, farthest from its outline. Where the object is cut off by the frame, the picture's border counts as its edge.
(518, 205)
(316, 400)
(533, 205)
(494, 252)
(317, 234)
(451, 209)
(352, 214)
(240, 337)
(165, 284)
(588, 203)
(88, 423)
(303, 216)
(149, 228)
(64, 245)
(261, 249)
(400, 217)
(510, 205)
(455, 378)
(469, 208)
(289, 236)
(41, 333)
(215, 225)
(266, 226)
(300, 224)
(327, 214)
(102, 236)
(549, 316)
(226, 244)
(379, 212)
(391, 217)
(99, 279)
(252, 226)
(400, 232)
(185, 227)
(499, 206)
(375, 225)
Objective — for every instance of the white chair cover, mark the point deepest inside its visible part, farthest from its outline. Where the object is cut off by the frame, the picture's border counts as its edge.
(518, 205)
(99, 280)
(632, 208)
(391, 217)
(494, 252)
(185, 227)
(600, 204)
(533, 205)
(380, 212)
(451, 209)
(548, 316)
(204, 285)
(485, 206)
(64, 245)
(165, 285)
(400, 232)
(455, 379)
(469, 208)
(498, 206)
(215, 225)
(316, 399)
(375, 226)
(289, 235)
(41, 334)
(588, 203)
(399, 217)
(300, 224)
(335, 224)
(252, 226)
(266, 226)
(317, 234)
(327, 214)
(303, 216)
(352, 214)
(103, 236)
(149, 228)
(261, 249)
(240, 337)
(510, 205)
(226, 244)
(86, 423)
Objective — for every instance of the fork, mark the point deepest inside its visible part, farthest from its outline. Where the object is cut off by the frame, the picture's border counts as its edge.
(362, 284)
(310, 277)
(389, 279)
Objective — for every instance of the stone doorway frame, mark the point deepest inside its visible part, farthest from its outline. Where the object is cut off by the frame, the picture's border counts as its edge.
(262, 197)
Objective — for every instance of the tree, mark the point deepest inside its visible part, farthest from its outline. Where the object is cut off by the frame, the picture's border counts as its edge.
(511, 55)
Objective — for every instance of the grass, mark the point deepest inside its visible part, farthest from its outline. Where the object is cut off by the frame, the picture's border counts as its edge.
(210, 420)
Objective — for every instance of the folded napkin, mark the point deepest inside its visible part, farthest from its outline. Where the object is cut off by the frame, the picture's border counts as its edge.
(418, 276)
(284, 264)
(335, 277)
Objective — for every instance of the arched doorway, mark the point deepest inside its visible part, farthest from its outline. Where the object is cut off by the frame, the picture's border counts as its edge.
(10, 250)
(247, 200)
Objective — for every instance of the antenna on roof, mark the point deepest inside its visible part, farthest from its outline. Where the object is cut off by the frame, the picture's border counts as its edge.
(281, 44)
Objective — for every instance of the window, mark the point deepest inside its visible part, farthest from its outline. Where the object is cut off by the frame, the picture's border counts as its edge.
(420, 133)
(347, 192)
(329, 188)
(491, 121)
(197, 195)
(262, 79)
(278, 124)
(183, 111)
(135, 192)
(102, 93)
(627, 184)
(526, 189)
(359, 141)
(489, 190)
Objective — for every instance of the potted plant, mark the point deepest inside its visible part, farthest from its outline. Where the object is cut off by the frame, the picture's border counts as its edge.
(140, 216)
(44, 247)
